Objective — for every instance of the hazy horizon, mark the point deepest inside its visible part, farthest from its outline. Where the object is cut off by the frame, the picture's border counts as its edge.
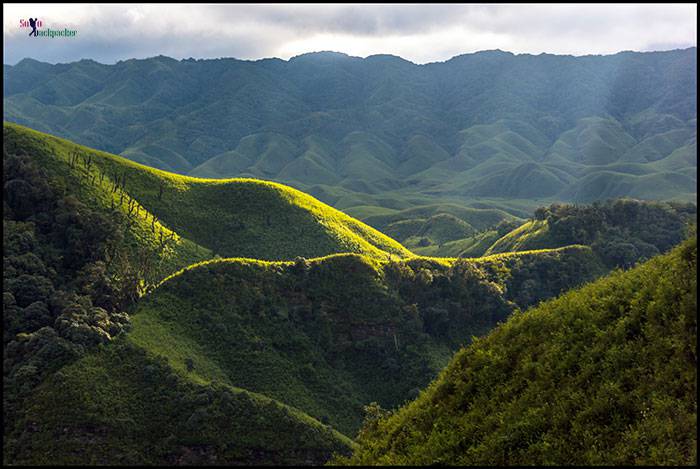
(354, 56)
(419, 33)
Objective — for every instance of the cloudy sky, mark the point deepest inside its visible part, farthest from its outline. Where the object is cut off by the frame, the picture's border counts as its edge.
(420, 33)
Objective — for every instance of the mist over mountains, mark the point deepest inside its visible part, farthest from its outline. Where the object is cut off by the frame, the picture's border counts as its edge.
(383, 131)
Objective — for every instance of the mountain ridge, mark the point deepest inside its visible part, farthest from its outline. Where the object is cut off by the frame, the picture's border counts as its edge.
(384, 132)
(484, 51)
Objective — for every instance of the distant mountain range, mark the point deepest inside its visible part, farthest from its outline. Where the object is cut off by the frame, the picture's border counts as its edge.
(385, 132)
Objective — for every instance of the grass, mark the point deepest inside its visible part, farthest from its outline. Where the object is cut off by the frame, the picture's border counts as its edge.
(530, 235)
(231, 217)
(604, 375)
(478, 218)
(94, 186)
(275, 343)
(121, 405)
(471, 246)
(329, 335)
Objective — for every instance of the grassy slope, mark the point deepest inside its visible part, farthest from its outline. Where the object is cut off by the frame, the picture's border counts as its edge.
(448, 229)
(530, 235)
(348, 328)
(234, 217)
(122, 406)
(472, 246)
(334, 334)
(142, 237)
(479, 219)
(346, 345)
(313, 340)
(125, 414)
(657, 223)
(603, 375)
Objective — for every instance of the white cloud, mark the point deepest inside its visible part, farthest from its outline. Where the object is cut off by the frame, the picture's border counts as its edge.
(421, 33)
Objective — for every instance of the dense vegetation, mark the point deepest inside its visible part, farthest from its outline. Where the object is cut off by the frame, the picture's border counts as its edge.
(128, 340)
(332, 334)
(325, 336)
(622, 232)
(603, 375)
(76, 255)
(487, 129)
(87, 233)
(65, 283)
(74, 260)
(121, 406)
(80, 247)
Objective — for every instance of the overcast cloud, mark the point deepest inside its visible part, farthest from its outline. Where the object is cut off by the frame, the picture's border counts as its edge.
(420, 33)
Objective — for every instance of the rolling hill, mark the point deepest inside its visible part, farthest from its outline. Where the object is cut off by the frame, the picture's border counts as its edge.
(229, 218)
(622, 232)
(120, 405)
(85, 235)
(329, 335)
(126, 340)
(171, 299)
(605, 375)
(226, 354)
(446, 230)
(489, 127)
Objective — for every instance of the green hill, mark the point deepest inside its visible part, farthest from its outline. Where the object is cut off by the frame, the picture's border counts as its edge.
(621, 232)
(119, 405)
(106, 362)
(485, 127)
(155, 318)
(237, 217)
(605, 375)
(425, 227)
(437, 229)
(475, 245)
(330, 335)
(312, 340)
(85, 234)
(324, 336)
(529, 235)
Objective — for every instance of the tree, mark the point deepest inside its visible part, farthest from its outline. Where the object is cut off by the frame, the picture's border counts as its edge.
(189, 363)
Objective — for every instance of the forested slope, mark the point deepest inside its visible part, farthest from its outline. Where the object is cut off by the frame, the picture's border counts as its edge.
(602, 375)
